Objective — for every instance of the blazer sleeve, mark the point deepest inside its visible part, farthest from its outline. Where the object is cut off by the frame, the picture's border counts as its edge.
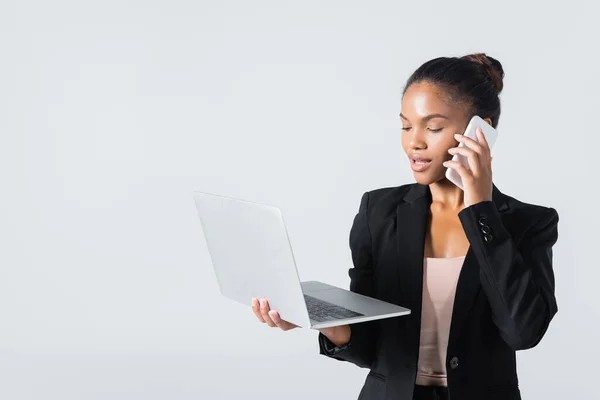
(516, 276)
(361, 347)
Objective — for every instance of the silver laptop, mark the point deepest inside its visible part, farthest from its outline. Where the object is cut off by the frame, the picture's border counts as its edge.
(252, 257)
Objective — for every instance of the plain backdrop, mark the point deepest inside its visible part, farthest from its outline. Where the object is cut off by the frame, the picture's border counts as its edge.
(113, 112)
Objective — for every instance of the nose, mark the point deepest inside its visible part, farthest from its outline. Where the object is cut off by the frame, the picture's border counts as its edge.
(417, 139)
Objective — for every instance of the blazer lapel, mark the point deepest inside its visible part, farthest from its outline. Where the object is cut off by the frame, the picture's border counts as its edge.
(412, 216)
(469, 283)
(467, 288)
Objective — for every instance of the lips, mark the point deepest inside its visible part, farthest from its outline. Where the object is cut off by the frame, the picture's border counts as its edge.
(419, 163)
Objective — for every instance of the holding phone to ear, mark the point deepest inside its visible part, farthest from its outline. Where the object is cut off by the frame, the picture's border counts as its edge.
(490, 135)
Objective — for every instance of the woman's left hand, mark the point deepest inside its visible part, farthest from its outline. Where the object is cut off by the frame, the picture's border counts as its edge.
(477, 179)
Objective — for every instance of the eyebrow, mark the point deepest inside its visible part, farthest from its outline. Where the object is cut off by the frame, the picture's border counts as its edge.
(427, 117)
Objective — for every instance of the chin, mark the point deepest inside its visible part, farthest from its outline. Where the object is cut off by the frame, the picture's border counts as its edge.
(427, 178)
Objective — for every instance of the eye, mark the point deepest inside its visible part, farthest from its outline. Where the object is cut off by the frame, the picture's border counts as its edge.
(435, 130)
(406, 128)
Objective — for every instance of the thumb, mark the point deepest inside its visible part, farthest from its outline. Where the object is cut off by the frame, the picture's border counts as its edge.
(284, 325)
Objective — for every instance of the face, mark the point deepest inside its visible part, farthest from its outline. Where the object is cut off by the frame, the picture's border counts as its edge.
(429, 122)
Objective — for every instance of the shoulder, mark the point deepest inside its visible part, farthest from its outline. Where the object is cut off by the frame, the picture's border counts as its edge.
(530, 219)
(529, 211)
(385, 199)
(388, 194)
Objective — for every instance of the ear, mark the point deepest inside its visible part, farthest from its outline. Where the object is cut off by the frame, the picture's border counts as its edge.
(488, 120)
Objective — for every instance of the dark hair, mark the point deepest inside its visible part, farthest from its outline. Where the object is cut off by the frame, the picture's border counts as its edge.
(474, 80)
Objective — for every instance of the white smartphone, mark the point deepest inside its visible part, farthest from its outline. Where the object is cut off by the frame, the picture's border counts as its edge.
(490, 135)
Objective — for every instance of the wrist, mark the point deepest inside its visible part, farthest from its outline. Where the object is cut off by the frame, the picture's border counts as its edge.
(338, 335)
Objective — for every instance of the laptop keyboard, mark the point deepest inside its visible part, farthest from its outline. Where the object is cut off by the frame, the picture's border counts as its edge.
(322, 311)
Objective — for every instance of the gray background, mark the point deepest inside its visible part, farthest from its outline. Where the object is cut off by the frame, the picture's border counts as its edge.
(113, 112)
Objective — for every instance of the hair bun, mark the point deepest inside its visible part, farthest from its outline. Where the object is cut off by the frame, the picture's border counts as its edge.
(491, 66)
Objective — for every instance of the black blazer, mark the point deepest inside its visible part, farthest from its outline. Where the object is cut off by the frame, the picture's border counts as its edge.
(504, 298)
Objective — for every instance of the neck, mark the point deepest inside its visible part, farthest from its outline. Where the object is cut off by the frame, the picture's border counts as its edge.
(447, 195)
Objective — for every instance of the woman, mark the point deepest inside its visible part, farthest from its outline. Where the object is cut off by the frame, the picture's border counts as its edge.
(474, 266)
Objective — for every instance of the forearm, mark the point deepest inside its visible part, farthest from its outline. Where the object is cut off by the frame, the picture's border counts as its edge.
(517, 278)
(359, 347)
(338, 335)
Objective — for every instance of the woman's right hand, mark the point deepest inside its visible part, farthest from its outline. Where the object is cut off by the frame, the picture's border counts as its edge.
(338, 335)
(270, 317)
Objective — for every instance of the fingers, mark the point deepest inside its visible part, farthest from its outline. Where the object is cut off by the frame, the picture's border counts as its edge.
(477, 153)
(256, 309)
(464, 173)
(472, 157)
(482, 140)
(264, 312)
(470, 143)
(283, 325)
(270, 317)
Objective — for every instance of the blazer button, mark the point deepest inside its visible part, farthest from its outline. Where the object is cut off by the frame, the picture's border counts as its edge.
(454, 363)
(488, 237)
(486, 229)
(483, 221)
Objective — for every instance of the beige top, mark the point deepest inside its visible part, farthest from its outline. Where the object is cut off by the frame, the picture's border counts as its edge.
(440, 276)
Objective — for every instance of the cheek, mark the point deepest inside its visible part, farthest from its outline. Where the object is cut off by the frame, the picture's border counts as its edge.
(440, 145)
